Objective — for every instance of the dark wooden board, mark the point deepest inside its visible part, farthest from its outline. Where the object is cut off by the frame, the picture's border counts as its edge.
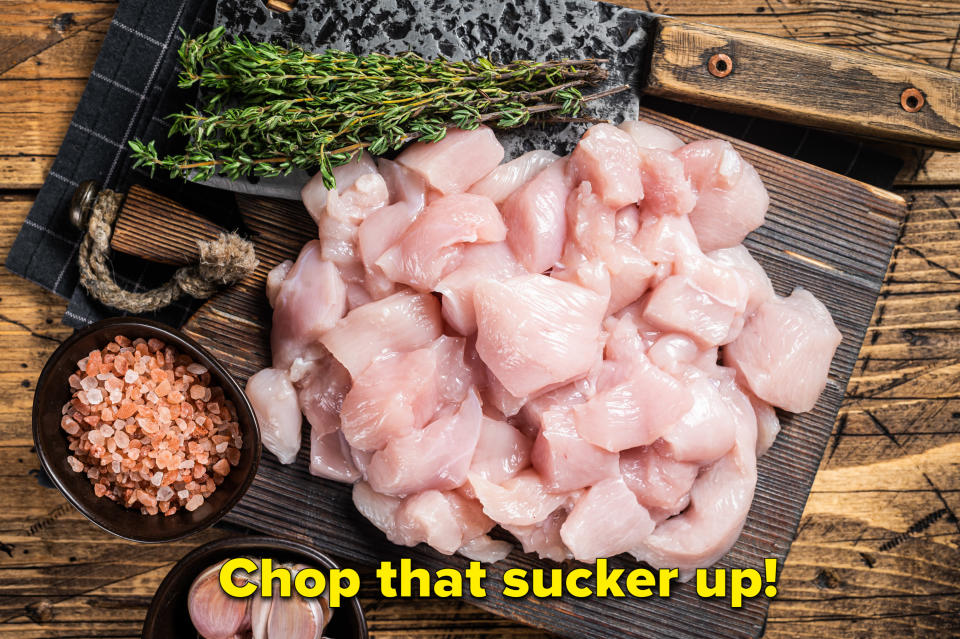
(827, 233)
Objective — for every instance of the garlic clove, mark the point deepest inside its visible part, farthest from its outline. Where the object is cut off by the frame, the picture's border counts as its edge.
(214, 613)
(323, 599)
(259, 615)
(295, 618)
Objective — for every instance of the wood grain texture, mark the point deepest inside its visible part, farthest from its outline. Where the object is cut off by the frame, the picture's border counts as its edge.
(848, 91)
(837, 581)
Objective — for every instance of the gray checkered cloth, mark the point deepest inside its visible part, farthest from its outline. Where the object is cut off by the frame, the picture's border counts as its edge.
(133, 85)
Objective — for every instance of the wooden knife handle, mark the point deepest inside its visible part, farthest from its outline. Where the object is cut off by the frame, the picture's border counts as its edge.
(158, 229)
(833, 88)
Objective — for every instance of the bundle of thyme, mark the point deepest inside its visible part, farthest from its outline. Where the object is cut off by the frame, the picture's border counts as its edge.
(266, 110)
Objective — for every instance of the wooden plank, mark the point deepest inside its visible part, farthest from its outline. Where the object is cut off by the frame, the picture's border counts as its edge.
(858, 93)
(937, 168)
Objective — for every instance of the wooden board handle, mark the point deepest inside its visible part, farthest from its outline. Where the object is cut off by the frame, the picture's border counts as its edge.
(158, 229)
(857, 93)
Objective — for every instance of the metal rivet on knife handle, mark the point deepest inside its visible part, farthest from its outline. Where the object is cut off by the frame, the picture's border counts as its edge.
(720, 65)
(82, 202)
(911, 99)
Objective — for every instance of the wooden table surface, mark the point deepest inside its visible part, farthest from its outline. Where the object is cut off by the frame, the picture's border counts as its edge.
(877, 551)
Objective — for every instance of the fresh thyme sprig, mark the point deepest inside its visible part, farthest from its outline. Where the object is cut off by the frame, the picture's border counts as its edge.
(267, 110)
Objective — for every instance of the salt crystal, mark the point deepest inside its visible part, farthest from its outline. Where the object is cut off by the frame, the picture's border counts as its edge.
(183, 494)
(222, 447)
(104, 376)
(82, 364)
(131, 376)
(115, 467)
(186, 464)
(94, 396)
(95, 437)
(121, 439)
(106, 430)
(194, 502)
(75, 463)
(93, 473)
(196, 369)
(157, 478)
(165, 493)
(116, 397)
(88, 383)
(152, 397)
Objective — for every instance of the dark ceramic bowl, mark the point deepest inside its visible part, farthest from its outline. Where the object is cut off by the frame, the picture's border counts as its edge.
(53, 391)
(168, 618)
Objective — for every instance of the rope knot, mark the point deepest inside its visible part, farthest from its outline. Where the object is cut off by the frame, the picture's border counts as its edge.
(223, 261)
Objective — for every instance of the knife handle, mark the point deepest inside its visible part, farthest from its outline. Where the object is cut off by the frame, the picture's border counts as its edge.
(828, 87)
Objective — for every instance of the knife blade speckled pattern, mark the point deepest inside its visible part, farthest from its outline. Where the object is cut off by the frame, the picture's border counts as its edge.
(501, 31)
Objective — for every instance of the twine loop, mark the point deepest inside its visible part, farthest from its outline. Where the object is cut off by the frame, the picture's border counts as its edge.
(223, 262)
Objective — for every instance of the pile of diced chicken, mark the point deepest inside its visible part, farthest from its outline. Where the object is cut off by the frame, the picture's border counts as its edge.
(536, 345)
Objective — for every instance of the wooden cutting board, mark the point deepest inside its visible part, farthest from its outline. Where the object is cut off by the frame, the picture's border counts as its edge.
(825, 232)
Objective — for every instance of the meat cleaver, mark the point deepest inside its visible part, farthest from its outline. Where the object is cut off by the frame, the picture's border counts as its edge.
(855, 93)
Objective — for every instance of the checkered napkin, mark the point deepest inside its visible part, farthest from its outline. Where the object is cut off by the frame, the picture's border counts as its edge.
(133, 85)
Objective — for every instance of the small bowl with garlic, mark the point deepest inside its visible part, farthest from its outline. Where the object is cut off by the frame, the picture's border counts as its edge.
(190, 601)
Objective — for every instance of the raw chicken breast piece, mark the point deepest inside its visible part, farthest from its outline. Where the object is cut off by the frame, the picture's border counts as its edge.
(650, 136)
(434, 457)
(455, 374)
(719, 502)
(405, 321)
(501, 182)
(310, 301)
(731, 198)
(606, 521)
(658, 481)
(330, 457)
(275, 280)
(785, 350)
(634, 410)
(565, 460)
(340, 223)
(768, 424)
(534, 215)
(321, 392)
(609, 159)
(535, 331)
(665, 241)
(383, 227)
(705, 432)
(485, 549)
(502, 451)
(443, 520)
(494, 261)
(522, 500)
(704, 300)
(758, 283)
(432, 246)
(397, 394)
(457, 161)
(314, 194)
(543, 537)
(666, 188)
(275, 402)
(380, 510)
(674, 353)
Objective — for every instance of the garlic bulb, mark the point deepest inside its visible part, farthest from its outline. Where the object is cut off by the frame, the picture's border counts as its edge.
(215, 614)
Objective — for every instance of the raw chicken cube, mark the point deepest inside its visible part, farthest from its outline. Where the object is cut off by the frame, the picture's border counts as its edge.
(455, 374)
(666, 188)
(275, 280)
(565, 460)
(659, 482)
(444, 520)
(310, 301)
(535, 331)
(609, 159)
(768, 424)
(706, 431)
(480, 262)
(275, 402)
(522, 500)
(502, 451)
(785, 350)
(758, 284)
(543, 537)
(605, 522)
(485, 549)
(510, 176)
(394, 396)
(650, 136)
(321, 392)
(314, 194)
(330, 457)
(434, 457)
(432, 245)
(633, 411)
(534, 215)
(454, 163)
(405, 321)
(731, 198)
